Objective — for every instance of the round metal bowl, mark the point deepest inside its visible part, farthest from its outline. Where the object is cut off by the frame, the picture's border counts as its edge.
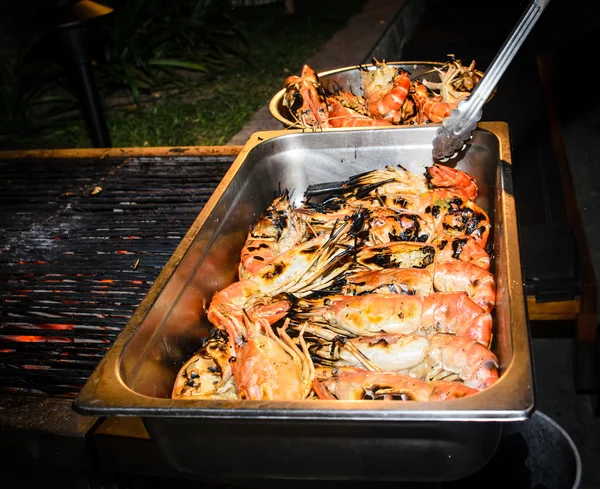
(348, 79)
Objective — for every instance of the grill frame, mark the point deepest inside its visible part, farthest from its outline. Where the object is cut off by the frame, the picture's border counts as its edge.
(71, 278)
(41, 429)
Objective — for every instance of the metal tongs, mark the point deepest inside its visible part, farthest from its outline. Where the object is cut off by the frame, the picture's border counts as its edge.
(457, 128)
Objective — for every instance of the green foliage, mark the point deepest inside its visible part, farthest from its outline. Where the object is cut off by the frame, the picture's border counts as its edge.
(211, 109)
(148, 43)
(25, 84)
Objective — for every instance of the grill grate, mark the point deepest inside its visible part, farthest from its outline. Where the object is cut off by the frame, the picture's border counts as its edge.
(76, 261)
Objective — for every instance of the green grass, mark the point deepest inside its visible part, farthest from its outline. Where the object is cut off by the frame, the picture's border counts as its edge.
(211, 111)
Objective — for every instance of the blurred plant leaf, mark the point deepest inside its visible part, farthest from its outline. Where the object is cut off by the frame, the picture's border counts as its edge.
(178, 63)
(159, 38)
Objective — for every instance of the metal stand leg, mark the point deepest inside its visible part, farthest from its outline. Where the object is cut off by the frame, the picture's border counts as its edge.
(82, 75)
(586, 344)
(585, 368)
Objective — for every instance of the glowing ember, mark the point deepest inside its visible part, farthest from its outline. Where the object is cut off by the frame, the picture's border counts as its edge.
(36, 367)
(56, 326)
(36, 339)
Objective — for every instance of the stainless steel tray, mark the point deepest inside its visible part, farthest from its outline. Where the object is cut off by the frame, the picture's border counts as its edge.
(137, 374)
(348, 79)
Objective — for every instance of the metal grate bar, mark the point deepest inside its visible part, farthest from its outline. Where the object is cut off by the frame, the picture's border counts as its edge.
(81, 242)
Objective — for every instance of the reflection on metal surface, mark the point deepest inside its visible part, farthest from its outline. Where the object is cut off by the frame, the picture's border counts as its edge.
(137, 375)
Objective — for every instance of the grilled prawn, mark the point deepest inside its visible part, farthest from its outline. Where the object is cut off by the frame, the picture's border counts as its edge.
(374, 314)
(458, 276)
(396, 254)
(379, 224)
(387, 180)
(430, 107)
(277, 230)
(462, 248)
(385, 89)
(266, 366)
(306, 100)
(440, 177)
(430, 357)
(207, 374)
(450, 214)
(420, 255)
(456, 81)
(258, 296)
(354, 384)
(409, 281)
(399, 181)
(341, 115)
(451, 276)
(384, 225)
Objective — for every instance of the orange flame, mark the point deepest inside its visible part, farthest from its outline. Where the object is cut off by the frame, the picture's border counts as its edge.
(36, 339)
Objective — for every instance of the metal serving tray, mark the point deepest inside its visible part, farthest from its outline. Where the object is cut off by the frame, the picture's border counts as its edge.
(348, 79)
(397, 440)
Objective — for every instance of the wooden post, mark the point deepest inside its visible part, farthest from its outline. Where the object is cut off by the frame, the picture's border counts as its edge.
(586, 357)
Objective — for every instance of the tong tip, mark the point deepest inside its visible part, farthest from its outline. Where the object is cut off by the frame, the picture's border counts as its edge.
(446, 145)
